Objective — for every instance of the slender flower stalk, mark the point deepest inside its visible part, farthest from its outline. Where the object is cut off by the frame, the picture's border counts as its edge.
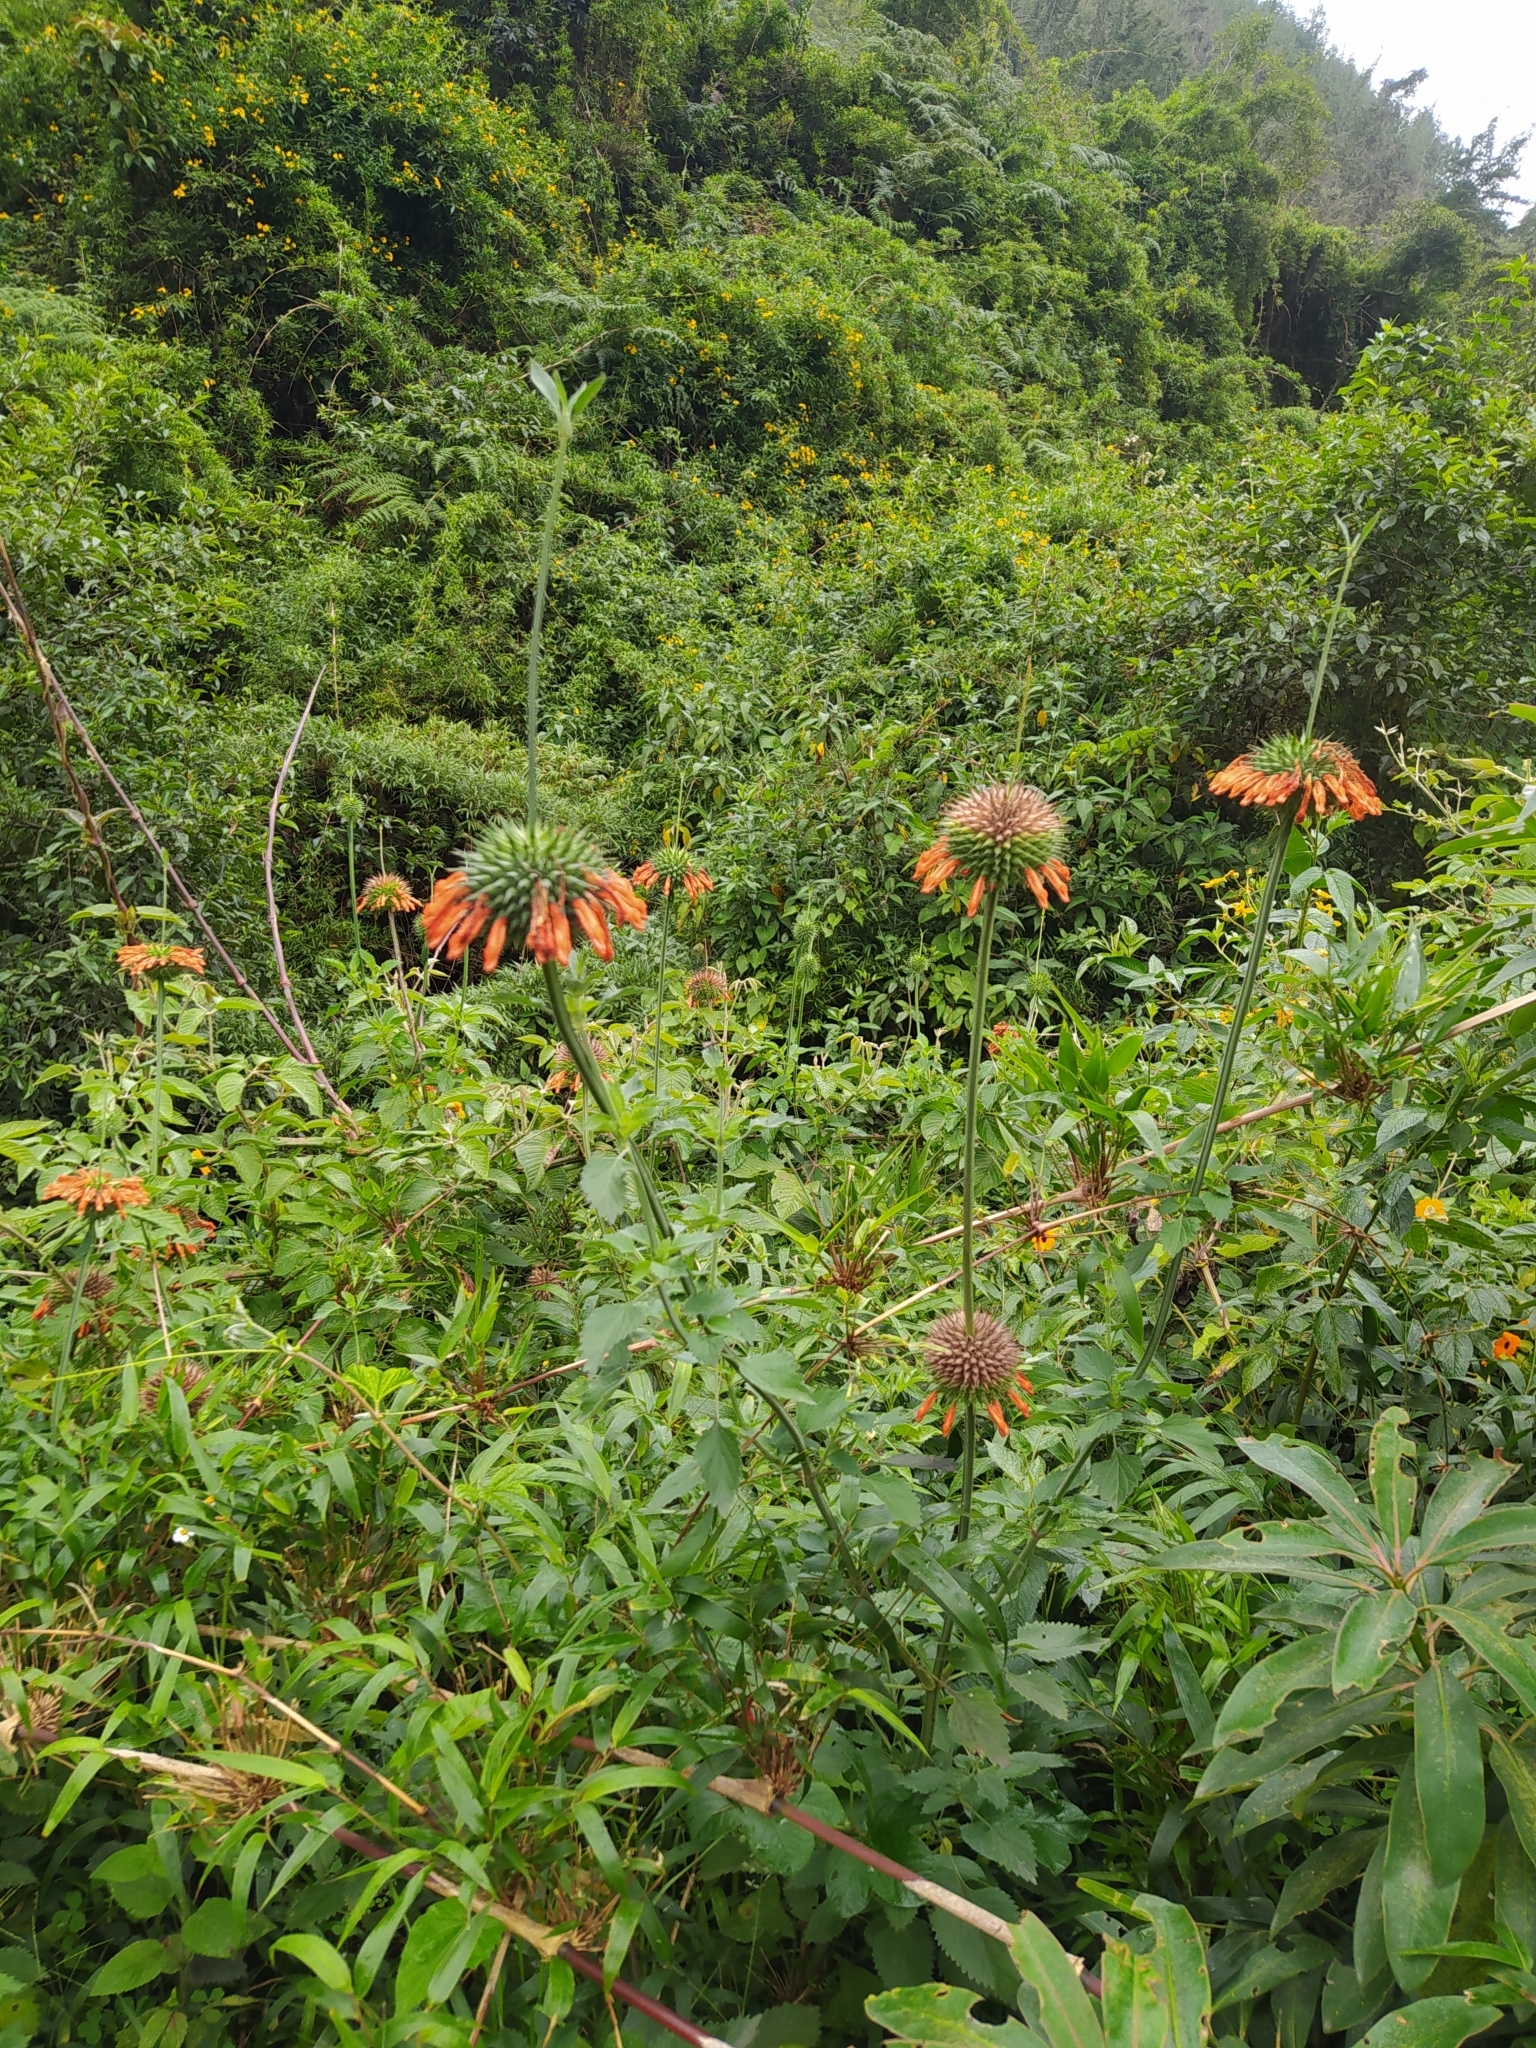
(1002, 836)
(1285, 774)
(71, 1322)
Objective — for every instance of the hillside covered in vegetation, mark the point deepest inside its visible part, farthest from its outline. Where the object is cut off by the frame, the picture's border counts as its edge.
(766, 869)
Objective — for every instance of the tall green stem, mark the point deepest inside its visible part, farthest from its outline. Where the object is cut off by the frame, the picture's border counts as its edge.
(71, 1322)
(661, 993)
(972, 1091)
(540, 595)
(579, 1047)
(154, 1110)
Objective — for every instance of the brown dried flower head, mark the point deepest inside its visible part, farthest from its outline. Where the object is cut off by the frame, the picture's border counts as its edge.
(96, 1293)
(543, 1280)
(383, 895)
(979, 1363)
(1002, 836)
(156, 963)
(97, 1189)
(707, 989)
(1326, 773)
(187, 1374)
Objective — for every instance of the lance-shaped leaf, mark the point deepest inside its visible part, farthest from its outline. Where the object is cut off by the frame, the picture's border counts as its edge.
(1392, 1489)
(1067, 2017)
(1431, 2023)
(1370, 1931)
(1458, 1501)
(1515, 1769)
(1262, 1690)
(1308, 1469)
(1514, 1880)
(1281, 1550)
(1512, 1528)
(939, 2016)
(1416, 1907)
(1514, 1660)
(1182, 1981)
(1274, 1965)
(1448, 1772)
(1338, 1861)
(1366, 1646)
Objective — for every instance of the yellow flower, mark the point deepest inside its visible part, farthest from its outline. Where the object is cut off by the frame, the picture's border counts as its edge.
(1430, 1209)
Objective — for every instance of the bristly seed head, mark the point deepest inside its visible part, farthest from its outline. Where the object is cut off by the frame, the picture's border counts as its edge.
(978, 1361)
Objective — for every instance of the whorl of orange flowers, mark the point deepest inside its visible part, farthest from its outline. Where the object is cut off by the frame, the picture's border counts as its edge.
(1326, 773)
(671, 865)
(526, 886)
(381, 895)
(1003, 835)
(94, 1187)
(152, 963)
(976, 1364)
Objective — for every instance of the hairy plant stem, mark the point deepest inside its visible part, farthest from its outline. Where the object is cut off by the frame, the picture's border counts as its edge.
(972, 1091)
(1256, 945)
(540, 597)
(71, 1321)
(661, 993)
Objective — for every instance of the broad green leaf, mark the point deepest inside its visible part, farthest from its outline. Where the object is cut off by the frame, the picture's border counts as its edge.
(1275, 1965)
(1448, 1772)
(605, 1183)
(1178, 1961)
(1514, 1888)
(140, 1963)
(1263, 1689)
(1366, 1646)
(1338, 1861)
(1370, 1933)
(1431, 2023)
(977, 1724)
(1067, 2016)
(216, 1928)
(1307, 1469)
(1299, 1551)
(1515, 1770)
(138, 1880)
(1416, 1908)
(719, 1460)
(939, 2016)
(318, 1957)
(445, 1940)
(1508, 1528)
(1392, 1489)
(1458, 1500)
(1511, 1658)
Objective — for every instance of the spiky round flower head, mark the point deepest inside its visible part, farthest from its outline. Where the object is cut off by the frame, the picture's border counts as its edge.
(671, 864)
(979, 1363)
(351, 810)
(1327, 775)
(527, 885)
(1000, 836)
(383, 895)
(155, 963)
(94, 1187)
(707, 989)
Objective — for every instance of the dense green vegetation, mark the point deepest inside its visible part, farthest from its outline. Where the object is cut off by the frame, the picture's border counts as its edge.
(424, 1376)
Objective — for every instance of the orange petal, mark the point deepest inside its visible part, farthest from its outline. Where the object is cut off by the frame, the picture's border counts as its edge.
(1018, 1400)
(1037, 888)
(469, 927)
(645, 874)
(995, 1410)
(978, 890)
(495, 940)
(949, 1419)
(589, 915)
(928, 1402)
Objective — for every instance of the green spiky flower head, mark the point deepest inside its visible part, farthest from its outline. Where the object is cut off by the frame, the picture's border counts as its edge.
(998, 832)
(509, 862)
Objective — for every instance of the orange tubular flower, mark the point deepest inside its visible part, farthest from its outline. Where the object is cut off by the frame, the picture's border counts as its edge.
(93, 1187)
(522, 889)
(153, 963)
(1003, 836)
(382, 894)
(1507, 1345)
(671, 865)
(1326, 773)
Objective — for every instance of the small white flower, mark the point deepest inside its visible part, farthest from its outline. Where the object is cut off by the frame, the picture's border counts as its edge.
(182, 1534)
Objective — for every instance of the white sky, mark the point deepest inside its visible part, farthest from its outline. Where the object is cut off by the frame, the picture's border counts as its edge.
(1480, 56)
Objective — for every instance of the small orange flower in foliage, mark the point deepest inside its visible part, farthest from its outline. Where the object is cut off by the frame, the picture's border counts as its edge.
(153, 963)
(1507, 1345)
(1327, 775)
(979, 1363)
(1003, 835)
(526, 886)
(383, 895)
(94, 1187)
(671, 865)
